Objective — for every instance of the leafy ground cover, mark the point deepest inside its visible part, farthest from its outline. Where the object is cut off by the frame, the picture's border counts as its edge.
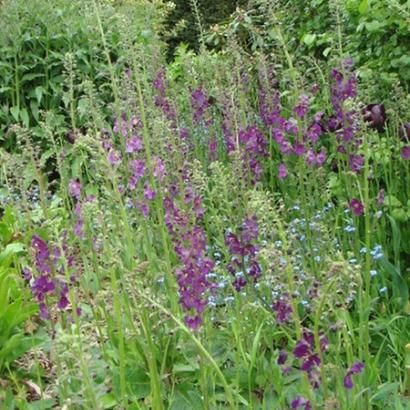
(228, 231)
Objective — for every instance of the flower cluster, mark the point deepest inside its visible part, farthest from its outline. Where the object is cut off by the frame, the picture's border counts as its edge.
(161, 100)
(253, 148)
(356, 368)
(47, 285)
(244, 263)
(304, 349)
(189, 241)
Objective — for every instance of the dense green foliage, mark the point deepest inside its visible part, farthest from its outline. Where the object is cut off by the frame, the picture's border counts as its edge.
(373, 32)
(52, 62)
(184, 23)
(226, 230)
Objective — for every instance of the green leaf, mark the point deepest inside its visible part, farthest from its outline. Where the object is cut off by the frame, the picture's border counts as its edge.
(309, 39)
(39, 93)
(373, 26)
(384, 391)
(363, 6)
(15, 112)
(25, 117)
(400, 288)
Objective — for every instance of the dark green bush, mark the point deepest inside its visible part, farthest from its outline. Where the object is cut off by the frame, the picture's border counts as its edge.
(48, 49)
(373, 32)
(210, 13)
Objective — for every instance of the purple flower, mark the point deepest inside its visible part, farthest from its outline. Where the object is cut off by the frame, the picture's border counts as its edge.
(299, 148)
(42, 254)
(282, 173)
(282, 357)
(137, 167)
(283, 311)
(114, 157)
(303, 106)
(200, 103)
(300, 401)
(302, 348)
(405, 152)
(310, 362)
(380, 197)
(27, 275)
(149, 194)
(313, 133)
(356, 162)
(74, 189)
(159, 169)
(133, 144)
(356, 206)
(356, 368)
(62, 302)
(250, 229)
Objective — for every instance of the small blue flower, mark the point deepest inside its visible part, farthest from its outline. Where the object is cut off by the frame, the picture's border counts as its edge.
(363, 250)
(317, 258)
(350, 228)
(383, 290)
(373, 273)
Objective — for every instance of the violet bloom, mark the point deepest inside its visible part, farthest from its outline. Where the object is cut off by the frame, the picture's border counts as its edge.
(74, 189)
(199, 102)
(304, 349)
(282, 357)
(27, 275)
(149, 194)
(356, 368)
(133, 144)
(380, 197)
(250, 229)
(42, 254)
(137, 167)
(405, 152)
(303, 106)
(356, 206)
(299, 148)
(283, 311)
(114, 157)
(159, 169)
(356, 163)
(299, 402)
(282, 173)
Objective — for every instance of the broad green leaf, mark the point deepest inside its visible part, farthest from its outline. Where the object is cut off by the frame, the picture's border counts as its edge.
(363, 6)
(15, 112)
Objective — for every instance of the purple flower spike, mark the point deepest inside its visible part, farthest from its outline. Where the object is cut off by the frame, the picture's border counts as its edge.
(303, 106)
(74, 189)
(283, 311)
(250, 229)
(133, 144)
(355, 368)
(149, 194)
